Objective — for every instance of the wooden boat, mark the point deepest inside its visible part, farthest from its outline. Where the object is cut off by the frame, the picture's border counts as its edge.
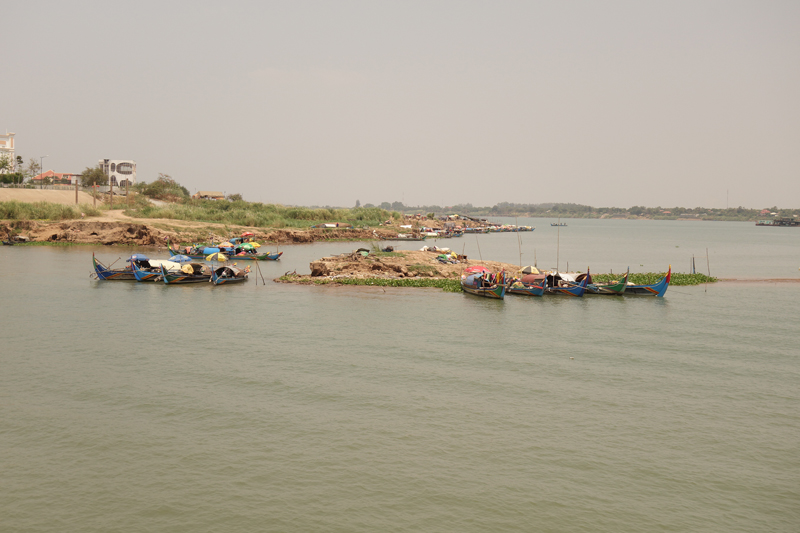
(556, 285)
(477, 285)
(533, 287)
(107, 274)
(199, 274)
(11, 240)
(146, 270)
(560, 224)
(613, 288)
(656, 289)
(268, 256)
(226, 275)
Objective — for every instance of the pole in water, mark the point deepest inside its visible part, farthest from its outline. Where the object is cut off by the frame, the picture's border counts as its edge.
(479, 248)
(558, 243)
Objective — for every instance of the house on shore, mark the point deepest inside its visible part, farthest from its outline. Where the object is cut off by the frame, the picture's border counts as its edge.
(208, 195)
(56, 178)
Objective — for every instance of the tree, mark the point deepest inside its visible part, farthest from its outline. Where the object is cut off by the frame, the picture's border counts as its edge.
(33, 168)
(358, 203)
(93, 176)
(235, 197)
(165, 188)
(6, 164)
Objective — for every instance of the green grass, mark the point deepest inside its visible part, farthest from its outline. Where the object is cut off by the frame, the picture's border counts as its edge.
(447, 285)
(649, 278)
(387, 254)
(454, 285)
(259, 215)
(15, 210)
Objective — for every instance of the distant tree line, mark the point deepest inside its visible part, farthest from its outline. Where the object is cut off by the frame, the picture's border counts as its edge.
(572, 210)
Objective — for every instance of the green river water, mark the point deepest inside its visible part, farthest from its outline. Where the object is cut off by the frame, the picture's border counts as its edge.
(142, 407)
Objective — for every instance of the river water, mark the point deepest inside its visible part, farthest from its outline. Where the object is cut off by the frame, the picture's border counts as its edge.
(141, 407)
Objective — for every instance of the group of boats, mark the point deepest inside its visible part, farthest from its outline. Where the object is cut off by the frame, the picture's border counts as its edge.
(458, 231)
(173, 271)
(239, 248)
(183, 266)
(480, 281)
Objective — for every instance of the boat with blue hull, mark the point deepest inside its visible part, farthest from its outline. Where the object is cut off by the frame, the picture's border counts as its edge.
(533, 286)
(106, 273)
(556, 284)
(656, 289)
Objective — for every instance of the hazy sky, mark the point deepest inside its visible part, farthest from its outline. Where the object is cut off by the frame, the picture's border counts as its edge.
(602, 103)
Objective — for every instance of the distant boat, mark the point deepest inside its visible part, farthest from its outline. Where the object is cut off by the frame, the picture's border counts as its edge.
(559, 224)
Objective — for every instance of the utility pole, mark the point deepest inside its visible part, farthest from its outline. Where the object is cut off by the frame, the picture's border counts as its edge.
(41, 170)
(76, 191)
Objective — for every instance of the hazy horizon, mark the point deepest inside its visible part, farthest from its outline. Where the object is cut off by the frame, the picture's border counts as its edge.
(610, 104)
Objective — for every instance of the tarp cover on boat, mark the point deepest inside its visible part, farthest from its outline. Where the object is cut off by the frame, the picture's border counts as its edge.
(529, 270)
(532, 278)
(138, 257)
(472, 280)
(169, 265)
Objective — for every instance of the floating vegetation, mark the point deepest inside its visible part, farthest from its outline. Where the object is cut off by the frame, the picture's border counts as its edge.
(649, 278)
(447, 285)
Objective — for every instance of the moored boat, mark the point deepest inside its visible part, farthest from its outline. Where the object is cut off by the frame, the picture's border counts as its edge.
(612, 288)
(528, 285)
(189, 273)
(656, 289)
(106, 273)
(226, 275)
(558, 283)
(482, 284)
(150, 270)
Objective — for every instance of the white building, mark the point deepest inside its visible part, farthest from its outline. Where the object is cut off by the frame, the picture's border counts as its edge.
(7, 149)
(119, 171)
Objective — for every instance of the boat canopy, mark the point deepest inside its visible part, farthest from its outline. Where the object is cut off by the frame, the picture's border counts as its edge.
(169, 265)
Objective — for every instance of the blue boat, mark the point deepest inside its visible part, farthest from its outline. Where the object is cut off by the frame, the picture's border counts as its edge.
(105, 273)
(557, 285)
(656, 289)
(532, 287)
